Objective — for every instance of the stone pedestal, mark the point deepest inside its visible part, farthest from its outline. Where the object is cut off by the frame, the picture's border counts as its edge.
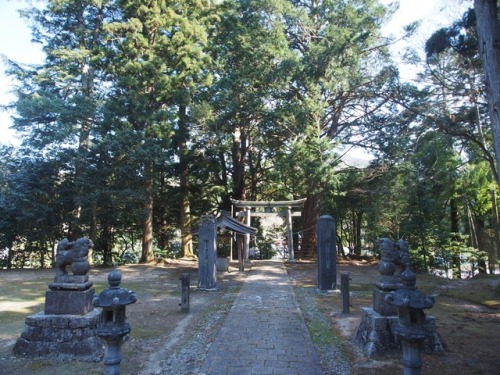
(379, 304)
(61, 337)
(67, 327)
(375, 334)
(69, 294)
(61, 302)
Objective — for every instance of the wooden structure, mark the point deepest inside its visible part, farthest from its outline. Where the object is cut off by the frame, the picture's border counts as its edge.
(207, 250)
(268, 207)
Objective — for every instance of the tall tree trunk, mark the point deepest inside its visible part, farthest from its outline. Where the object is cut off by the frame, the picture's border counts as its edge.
(359, 220)
(147, 225)
(186, 221)
(493, 254)
(87, 86)
(10, 253)
(485, 242)
(163, 235)
(310, 215)
(92, 230)
(223, 181)
(488, 156)
(488, 31)
(105, 244)
(238, 153)
(457, 271)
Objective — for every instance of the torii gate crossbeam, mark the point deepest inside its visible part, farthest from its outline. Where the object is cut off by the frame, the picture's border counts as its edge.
(270, 204)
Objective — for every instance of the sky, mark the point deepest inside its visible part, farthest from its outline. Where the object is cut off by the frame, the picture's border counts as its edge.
(15, 39)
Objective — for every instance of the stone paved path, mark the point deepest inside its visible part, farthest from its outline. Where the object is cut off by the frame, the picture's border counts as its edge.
(264, 332)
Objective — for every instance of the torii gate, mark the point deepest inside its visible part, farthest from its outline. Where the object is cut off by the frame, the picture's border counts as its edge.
(288, 205)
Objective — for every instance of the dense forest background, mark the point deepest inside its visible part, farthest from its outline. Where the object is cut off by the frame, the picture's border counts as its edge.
(148, 114)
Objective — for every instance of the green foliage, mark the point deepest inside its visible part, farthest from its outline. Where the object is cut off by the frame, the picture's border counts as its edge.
(309, 165)
(266, 249)
(145, 113)
(172, 252)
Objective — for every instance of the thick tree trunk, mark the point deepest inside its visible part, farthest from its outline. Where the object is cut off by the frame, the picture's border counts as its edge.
(87, 86)
(162, 212)
(493, 255)
(147, 224)
(239, 153)
(310, 215)
(457, 272)
(488, 30)
(186, 221)
(92, 231)
(106, 245)
(223, 181)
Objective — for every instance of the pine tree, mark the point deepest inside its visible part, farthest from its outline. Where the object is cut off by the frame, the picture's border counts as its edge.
(157, 59)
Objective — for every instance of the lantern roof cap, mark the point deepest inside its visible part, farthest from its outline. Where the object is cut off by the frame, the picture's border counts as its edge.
(114, 295)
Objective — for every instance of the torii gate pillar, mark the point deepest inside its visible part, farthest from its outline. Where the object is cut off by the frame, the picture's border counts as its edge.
(291, 255)
(246, 244)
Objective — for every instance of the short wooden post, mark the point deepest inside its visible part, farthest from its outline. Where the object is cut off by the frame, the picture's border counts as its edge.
(344, 288)
(185, 282)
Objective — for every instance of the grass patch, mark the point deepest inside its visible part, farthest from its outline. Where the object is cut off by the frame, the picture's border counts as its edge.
(482, 290)
(20, 299)
(321, 333)
(311, 305)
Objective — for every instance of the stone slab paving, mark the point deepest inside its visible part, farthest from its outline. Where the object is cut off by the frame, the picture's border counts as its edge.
(264, 333)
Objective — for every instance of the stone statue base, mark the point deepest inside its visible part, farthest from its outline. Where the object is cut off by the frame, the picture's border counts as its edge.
(71, 282)
(61, 302)
(63, 337)
(379, 304)
(376, 338)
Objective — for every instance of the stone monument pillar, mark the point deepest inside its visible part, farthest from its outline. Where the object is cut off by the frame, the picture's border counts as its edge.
(66, 328)
(327, 253)
(207, 253)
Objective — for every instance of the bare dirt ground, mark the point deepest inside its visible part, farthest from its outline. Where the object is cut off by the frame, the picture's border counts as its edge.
(158, 324)
(467, 314)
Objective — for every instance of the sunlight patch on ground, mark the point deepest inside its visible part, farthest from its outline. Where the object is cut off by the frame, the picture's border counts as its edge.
(22, 307)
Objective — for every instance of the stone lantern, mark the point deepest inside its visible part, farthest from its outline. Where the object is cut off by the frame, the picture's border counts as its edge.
(410, 329)
(113, 326)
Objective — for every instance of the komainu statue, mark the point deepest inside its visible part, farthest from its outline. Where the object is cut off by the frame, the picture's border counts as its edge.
(394, 256)
(73, 254)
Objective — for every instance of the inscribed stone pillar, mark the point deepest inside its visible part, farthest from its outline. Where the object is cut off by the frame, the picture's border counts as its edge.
(207, 271)
(327, 250)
